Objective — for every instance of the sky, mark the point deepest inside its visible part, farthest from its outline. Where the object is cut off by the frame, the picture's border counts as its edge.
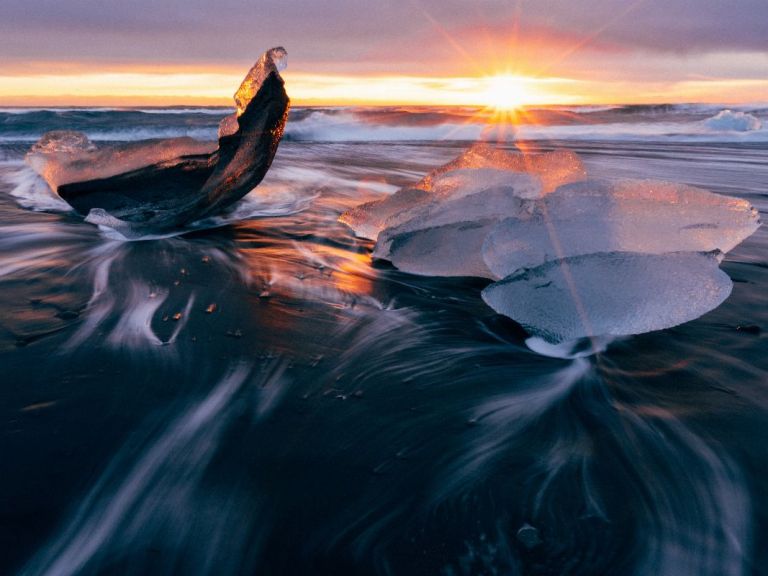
(462, 52)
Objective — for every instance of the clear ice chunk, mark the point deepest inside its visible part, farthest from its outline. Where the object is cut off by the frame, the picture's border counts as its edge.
(624, 216)
(273, 60)
(552, 169)
(67, 141)
(610, 294)
(578, 258)
(448, 250)
(61, 162)
(367, 220)
(733, 121)
(489, 198)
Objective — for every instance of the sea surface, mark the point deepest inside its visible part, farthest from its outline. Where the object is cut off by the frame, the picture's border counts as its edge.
(259, 397)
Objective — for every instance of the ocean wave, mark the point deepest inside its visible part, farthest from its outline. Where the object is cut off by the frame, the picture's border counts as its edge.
(349, 126)
(663, 122)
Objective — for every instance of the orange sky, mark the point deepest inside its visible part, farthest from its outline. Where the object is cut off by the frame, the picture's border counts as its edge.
(124, 87)
(443, 52)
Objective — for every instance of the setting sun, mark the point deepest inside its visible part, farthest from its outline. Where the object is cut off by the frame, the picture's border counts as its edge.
(506, 92)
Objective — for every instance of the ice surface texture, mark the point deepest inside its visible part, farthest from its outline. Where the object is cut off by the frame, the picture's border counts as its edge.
(156, 185)
(552, 170)
(574, 257)
(622, 216)
(610, 294)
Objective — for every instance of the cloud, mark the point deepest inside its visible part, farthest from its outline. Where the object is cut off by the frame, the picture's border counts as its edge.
(347, 31)
(618, 41)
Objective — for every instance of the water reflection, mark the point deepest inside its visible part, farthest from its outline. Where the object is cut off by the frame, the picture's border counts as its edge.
(309, 412)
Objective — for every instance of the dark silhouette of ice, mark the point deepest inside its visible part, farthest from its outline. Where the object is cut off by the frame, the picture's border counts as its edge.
(575, 258)
(142, 188)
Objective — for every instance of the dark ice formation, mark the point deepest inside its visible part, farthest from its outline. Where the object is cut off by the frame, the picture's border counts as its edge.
(156, 185)
(571, 257)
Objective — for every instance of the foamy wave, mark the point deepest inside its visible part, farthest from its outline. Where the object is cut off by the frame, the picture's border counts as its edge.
(346, 126)
(32, 192)
(325, 126)
(666, 123)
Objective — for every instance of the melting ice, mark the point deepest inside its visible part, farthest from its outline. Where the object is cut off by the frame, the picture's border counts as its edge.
(573, 257)
(153, 186)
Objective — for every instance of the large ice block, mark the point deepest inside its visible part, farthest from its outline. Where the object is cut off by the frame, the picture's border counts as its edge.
(162, 184)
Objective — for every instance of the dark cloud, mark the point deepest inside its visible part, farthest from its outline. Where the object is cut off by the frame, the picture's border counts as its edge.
(351, 33)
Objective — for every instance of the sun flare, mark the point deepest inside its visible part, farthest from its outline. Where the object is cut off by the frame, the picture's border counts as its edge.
(505, 92)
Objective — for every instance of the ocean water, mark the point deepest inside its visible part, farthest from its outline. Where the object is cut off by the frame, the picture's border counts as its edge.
(259, 397)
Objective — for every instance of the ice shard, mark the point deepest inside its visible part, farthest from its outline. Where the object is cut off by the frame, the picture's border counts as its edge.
(164, 184)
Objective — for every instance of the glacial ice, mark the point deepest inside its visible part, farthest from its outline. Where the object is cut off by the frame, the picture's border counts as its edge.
(368, 219)
(447, 250)
(552, 169)
(611, 294)
(733, 121)
(273, 61)
(622, 216)
(446, 238)
(463, 196)
(64, 157)
(159, 185)
(573, 257)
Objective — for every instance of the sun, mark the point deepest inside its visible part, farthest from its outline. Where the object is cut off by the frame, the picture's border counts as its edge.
(505, 92)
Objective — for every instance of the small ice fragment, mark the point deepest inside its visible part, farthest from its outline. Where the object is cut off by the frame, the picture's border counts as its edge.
(728, 120)
(611, 294)
(67, 141)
